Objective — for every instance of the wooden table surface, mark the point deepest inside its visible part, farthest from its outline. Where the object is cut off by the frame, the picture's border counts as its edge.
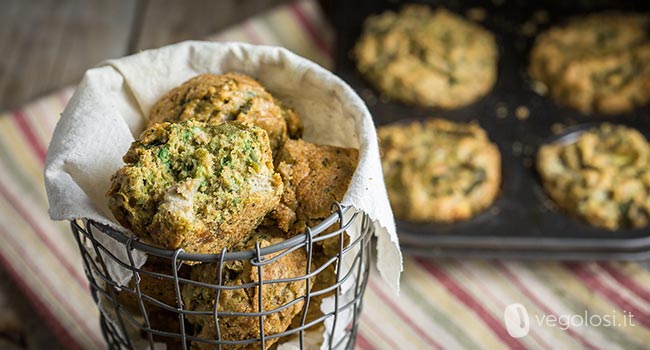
(48, 44)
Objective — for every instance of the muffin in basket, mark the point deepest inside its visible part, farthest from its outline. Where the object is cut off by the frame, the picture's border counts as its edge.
(195, 185)
(202, 177)
(314, 177)
(231, 96)
(236, 273)
(161, 289)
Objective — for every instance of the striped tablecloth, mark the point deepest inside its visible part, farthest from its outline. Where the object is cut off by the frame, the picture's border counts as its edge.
(443, 305)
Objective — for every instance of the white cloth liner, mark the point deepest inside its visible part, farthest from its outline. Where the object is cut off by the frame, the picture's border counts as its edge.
(110, 105)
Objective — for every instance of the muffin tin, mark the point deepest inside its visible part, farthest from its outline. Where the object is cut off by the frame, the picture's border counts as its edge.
(523, 222)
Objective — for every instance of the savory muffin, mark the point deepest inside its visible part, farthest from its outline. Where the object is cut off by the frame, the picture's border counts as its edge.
(245, 300)
(196, 186)
(603, 177)
(438, 170)
(428, 58)
(599, 62)
(231, 96)
(314, 177)
(324, 280)
(163, 290)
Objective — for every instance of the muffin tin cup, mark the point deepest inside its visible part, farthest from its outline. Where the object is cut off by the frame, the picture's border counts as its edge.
(523, 222)
(124, 327)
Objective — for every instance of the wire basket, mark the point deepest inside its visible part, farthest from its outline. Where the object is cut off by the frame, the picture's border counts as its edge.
(130, 313)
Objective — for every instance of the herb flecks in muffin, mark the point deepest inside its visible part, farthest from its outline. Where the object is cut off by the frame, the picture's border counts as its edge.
(438, 170)
(602, 178)
(429, 58)
(194, 185)
(599, 62)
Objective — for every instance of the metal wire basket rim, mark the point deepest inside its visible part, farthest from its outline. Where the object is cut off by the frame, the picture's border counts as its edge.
(249, 285)
(229, 256)
(210, 286)
(166, 307)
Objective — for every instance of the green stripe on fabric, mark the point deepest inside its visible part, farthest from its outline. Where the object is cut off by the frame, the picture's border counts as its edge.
(15, 166)
(279, 36)
(436, 314)
(307, 48)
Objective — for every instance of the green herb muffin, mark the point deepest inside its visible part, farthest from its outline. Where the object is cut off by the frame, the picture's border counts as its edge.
(599, 62)
(231, 96)
(603, 177)
(195, 185)
(237, 273)
(427, 58)
(438, 170)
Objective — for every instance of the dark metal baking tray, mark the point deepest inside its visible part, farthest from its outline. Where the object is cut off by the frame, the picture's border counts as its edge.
(523, 222)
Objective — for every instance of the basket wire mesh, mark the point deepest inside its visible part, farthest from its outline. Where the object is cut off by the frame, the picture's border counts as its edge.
(127, 327)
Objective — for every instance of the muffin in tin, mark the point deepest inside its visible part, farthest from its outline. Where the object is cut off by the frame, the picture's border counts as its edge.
(596, 63)
(196, 186)
(603, 177)
(426, 57)
(226, 97)
(439, 170)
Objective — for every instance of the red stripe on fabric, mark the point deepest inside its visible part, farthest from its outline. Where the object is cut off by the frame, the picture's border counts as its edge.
(362, 343)
(519, 284)
(39, 273)
(62, 334)
(463, 296)
(251, 33)
(622, 278)
(591, 280)
(471, 276)
(308, 26)
(23, 125)
(43, 235)
(400, 313)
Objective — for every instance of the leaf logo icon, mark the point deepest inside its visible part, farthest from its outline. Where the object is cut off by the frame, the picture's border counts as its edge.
(516, 320)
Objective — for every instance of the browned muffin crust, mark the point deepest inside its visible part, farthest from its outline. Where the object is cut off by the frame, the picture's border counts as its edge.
(160, 289)
(438, 170)
(599, 62)
(428, 58)
(314, 177)
(603, 177)
(245, 300)
(231, 96)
